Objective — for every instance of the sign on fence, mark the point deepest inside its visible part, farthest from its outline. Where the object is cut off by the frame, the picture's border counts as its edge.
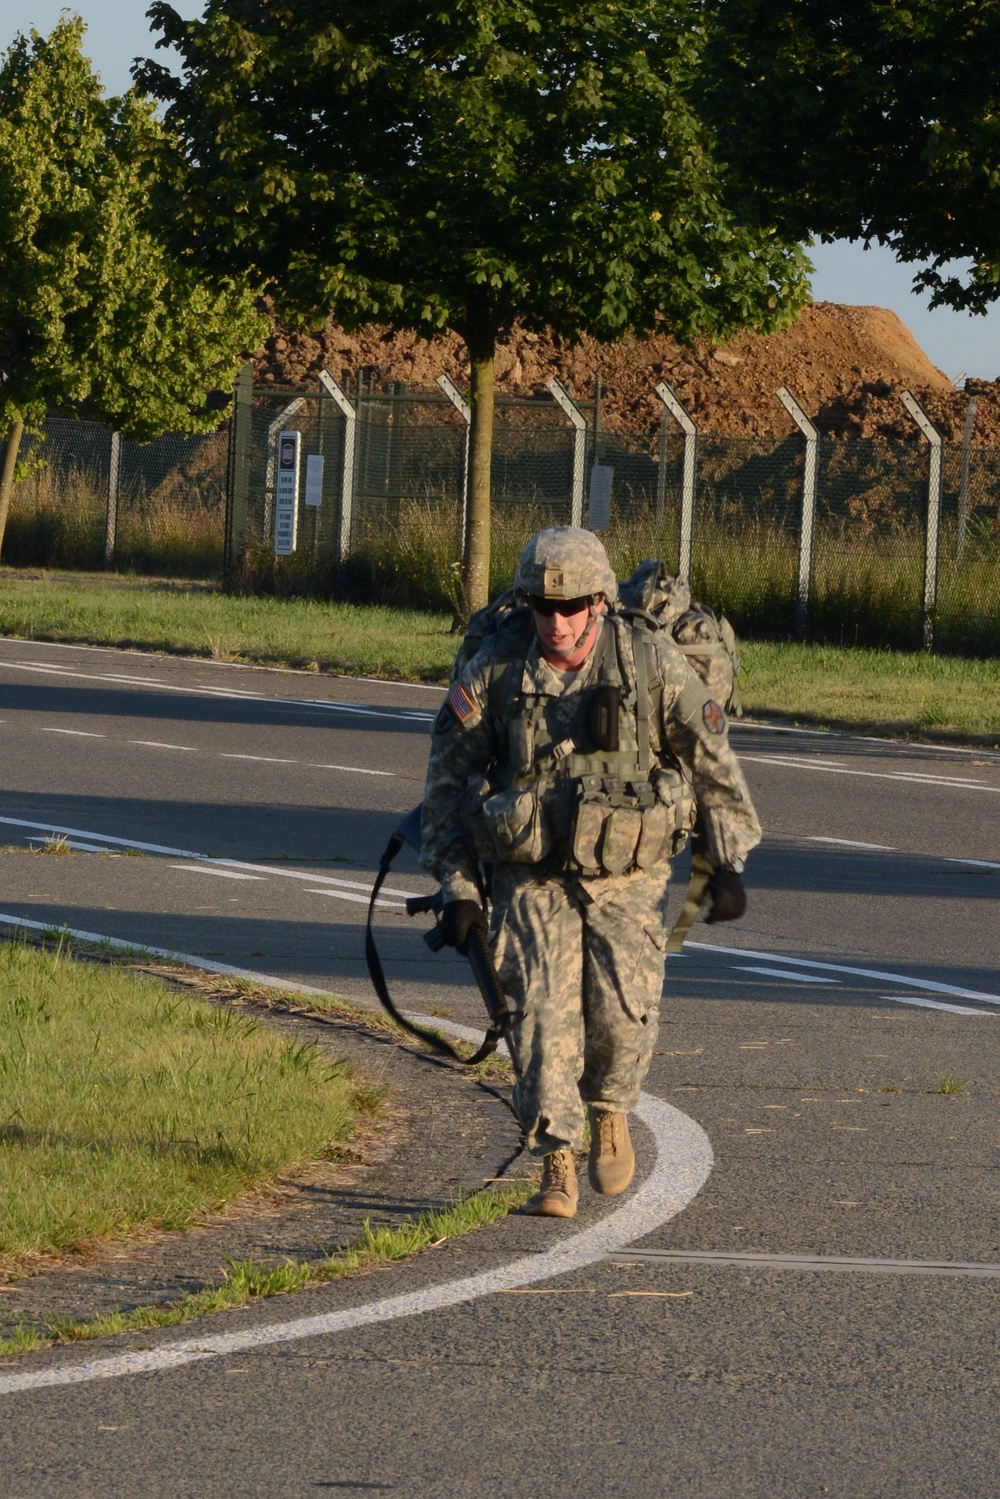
(286, 494)
(599, 512)
(314, 479)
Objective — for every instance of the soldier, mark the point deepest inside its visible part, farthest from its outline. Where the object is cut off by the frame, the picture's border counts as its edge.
(568, 755)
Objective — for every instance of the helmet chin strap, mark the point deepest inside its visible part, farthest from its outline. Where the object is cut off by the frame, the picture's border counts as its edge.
(588, 630)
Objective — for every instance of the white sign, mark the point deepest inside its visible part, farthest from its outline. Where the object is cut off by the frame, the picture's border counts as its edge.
(599, 514)
(286, 494)
(314, 479)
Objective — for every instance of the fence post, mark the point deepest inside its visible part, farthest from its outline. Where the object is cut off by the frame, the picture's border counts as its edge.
(576, 416)
(114, 486)
(807, 522)
(461, 405)
(238, 463)
(690, 431)
(933, 534)
(350, 415)
(963, 484)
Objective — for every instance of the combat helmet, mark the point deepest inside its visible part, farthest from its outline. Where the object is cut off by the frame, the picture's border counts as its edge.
(565, 562)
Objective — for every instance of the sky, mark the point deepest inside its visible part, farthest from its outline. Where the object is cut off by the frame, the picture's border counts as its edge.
(957, 342)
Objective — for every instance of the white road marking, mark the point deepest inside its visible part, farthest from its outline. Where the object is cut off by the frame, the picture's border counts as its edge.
(83, 848)
(221, 874)
(885, 848)
(402, 715)
(906, 980)
(681, 1168)
(788, 762)
(266, 759)
(77, 733)
(156, 744)
(835, 1262)
(358, 770)
(778, 728)
(975, 863)
(935, 1004)
(362, 900)
(187, 853)
(782, 973)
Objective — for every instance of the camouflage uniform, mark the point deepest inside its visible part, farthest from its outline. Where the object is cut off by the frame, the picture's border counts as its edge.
(579, 949)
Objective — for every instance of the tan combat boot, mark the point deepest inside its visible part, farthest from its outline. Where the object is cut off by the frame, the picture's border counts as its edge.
(611, 1164)
(557, 1196)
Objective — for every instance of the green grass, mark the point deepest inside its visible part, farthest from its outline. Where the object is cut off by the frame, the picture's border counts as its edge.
(244, 1282)
(125, 1105)
(200, 620)
(876, 691)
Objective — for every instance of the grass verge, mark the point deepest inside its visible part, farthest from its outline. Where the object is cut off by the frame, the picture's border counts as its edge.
(244, 1281)
(947, 698)
(127, 1105)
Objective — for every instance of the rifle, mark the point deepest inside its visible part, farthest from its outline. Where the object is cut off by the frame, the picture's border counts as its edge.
(503, 1020)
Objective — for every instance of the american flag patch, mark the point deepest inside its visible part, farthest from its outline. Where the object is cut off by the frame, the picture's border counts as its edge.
(461, 704)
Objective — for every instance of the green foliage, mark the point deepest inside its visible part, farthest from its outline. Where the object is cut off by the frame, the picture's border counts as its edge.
(876, 121)
(94, 312)
(435, 167)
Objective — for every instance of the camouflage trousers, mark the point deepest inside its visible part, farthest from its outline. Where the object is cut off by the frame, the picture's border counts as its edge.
(584, 960)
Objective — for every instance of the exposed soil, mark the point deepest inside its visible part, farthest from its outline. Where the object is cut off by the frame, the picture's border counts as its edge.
(844, 365)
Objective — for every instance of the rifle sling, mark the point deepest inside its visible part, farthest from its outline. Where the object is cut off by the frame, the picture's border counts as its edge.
(377, 975)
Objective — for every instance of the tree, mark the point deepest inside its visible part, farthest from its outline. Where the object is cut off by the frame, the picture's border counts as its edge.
(95, 314)
(457, 166)
(874, 121)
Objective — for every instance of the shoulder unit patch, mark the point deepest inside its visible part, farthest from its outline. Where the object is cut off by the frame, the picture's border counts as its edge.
(715, 719)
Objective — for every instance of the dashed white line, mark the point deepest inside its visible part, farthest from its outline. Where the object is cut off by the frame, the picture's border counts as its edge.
(401, 715)
(157, 744)
(357, 770)
(935, 1004)
(265, 759)
(187, 853)
(788, 762)
(362, 900)
(782, 973)
(220, 874)
(77, 733)
(885, 848)
(870, 973)
(975, 863)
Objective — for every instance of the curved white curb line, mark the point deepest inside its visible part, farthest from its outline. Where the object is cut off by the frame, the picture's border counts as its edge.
(682, 1165)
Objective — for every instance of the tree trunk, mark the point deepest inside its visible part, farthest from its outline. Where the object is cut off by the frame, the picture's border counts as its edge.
(11, 447)
(480, 338)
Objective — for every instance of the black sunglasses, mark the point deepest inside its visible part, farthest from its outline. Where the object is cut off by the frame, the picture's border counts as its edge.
(565, 607)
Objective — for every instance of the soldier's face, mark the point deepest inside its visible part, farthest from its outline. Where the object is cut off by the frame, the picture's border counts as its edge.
(556, 631)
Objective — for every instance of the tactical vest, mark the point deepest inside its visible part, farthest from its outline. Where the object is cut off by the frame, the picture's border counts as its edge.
(574, 782)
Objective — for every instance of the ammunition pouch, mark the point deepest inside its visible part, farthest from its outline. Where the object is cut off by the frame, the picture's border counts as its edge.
(516, 827)
(618, 826)
(674, 791)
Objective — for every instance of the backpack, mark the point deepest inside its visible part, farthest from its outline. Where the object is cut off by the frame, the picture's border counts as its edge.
(707, 639)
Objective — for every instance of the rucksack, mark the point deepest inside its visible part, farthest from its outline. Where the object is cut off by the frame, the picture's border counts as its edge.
(707, 639)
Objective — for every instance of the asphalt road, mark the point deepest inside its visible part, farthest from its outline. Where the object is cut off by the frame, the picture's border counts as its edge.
(809, 1043)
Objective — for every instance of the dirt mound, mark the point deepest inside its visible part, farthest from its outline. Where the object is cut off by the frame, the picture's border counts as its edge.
(845, 366)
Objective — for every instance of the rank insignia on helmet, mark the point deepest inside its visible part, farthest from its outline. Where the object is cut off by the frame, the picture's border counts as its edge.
(461, 704)
(715, 719)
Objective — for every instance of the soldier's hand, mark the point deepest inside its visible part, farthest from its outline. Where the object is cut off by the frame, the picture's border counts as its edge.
(727, 894)
(458, 919)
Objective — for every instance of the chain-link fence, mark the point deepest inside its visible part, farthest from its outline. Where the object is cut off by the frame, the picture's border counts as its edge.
(859, 541)
(92, 499)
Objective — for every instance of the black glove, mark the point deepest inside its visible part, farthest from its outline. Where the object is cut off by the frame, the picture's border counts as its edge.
(727, 894)
(458, 919)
